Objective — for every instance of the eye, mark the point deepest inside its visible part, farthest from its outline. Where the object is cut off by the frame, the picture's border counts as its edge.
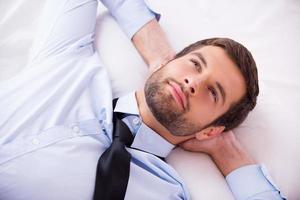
(196, 64)
(213, 93)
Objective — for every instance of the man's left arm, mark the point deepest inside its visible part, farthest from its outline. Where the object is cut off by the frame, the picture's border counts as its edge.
(141, 26)
(246, 179)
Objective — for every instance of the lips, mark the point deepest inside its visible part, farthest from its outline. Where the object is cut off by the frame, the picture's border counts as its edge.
(178, 94)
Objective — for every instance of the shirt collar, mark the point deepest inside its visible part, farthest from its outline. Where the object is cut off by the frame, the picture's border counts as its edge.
(145, 139)
(127, 104)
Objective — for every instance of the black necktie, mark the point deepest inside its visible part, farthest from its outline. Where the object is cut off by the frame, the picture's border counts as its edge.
(114, 164)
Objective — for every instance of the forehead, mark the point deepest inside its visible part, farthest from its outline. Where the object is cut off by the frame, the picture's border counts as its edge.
(222, 69)
(215, 55)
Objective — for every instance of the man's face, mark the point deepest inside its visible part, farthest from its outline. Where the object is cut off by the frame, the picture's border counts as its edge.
(192, 91)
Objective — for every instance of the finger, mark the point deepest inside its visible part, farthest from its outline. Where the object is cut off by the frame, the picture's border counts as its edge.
(191, 145)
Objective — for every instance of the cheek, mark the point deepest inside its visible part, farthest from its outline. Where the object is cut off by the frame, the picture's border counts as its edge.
(202, 111)
(177, 70)
(204, 100)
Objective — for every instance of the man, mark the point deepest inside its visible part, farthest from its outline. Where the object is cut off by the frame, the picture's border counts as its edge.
(56, 116)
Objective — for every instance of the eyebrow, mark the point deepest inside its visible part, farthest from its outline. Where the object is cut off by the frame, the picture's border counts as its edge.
(222, 91)
(200, 56)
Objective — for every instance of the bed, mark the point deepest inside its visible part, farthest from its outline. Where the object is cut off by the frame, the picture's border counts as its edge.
(270, 29)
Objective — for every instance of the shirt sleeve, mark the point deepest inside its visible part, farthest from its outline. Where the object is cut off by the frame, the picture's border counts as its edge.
(131, 15)
(65, 24)
(253, 182)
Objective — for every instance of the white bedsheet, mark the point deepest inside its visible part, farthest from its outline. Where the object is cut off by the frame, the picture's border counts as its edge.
(270, 29)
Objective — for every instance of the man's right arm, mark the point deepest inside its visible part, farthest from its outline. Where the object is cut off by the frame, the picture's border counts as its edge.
(140, 24)
(247, 180)
(152, 44)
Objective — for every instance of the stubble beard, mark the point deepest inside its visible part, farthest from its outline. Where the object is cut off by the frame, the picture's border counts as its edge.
(163, 107)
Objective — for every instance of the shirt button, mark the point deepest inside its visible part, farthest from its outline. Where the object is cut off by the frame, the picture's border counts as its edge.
(76, 129)
(136, 121)
(35, 141)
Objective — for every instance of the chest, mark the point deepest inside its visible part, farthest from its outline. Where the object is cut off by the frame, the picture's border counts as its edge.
(57, 92)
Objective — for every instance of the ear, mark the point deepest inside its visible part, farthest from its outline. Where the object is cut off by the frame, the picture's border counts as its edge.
(209, 132)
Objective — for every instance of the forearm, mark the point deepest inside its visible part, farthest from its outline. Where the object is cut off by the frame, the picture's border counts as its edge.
(240, 171)
(230, 156)
(140, 25)
(153, 45)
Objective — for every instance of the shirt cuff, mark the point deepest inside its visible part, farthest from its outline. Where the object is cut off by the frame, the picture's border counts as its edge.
(131, 15)
(250, 180)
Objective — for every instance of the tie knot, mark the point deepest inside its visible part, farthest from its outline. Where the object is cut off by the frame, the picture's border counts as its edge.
(121, 131)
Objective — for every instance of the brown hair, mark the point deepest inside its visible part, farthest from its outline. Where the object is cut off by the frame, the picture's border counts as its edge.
(240, 55)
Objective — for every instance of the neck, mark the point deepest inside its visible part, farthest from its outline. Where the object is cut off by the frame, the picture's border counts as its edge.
(151, 121)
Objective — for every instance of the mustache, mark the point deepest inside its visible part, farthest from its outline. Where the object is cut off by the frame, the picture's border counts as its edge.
(183, 89)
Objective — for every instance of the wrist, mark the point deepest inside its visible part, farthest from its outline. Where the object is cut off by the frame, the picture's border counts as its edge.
(162, 60)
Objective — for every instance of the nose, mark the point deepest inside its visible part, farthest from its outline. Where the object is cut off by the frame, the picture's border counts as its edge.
(193, 84)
